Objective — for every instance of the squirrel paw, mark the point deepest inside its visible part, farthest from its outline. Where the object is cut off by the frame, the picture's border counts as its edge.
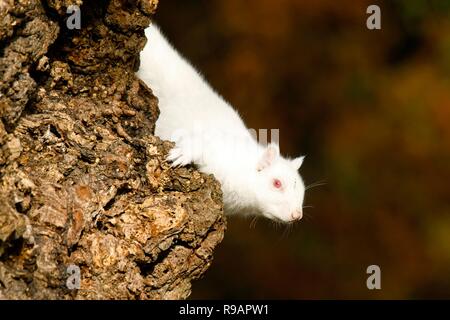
(178, 157)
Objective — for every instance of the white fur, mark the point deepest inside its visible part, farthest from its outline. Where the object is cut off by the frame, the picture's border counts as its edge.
(208, 132)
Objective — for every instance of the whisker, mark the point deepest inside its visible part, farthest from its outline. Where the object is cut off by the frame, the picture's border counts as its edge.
(307, 215)
(316, 184)
(293, 226)
(319, 181)
(285, 232)
(279, 225)
(274, 224)
(253, 222)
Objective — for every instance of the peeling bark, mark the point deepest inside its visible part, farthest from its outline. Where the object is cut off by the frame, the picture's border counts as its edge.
(83, 181)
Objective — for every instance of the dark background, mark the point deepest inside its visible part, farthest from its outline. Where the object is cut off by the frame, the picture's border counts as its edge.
(370, 109)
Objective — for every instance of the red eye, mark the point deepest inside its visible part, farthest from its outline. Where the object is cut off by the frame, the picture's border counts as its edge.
(277, 183)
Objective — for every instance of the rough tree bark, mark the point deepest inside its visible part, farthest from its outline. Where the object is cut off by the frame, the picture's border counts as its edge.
(83, 180)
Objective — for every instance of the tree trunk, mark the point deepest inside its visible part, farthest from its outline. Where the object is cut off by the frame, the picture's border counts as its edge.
(89, 209)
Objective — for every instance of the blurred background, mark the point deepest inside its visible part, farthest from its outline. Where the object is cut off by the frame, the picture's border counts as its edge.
(370, 109)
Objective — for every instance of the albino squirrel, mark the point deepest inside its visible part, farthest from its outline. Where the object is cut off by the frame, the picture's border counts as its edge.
(208, 132)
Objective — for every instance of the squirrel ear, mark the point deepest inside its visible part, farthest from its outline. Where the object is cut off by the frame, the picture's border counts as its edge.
(272, 151)
(297, 162)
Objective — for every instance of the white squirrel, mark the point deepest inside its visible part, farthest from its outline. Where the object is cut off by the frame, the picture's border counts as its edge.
(207, 131)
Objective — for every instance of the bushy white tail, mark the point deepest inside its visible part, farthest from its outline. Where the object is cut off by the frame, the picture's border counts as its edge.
(162, 67)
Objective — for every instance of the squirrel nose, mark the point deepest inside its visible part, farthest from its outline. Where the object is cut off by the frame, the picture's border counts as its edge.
(297, 214)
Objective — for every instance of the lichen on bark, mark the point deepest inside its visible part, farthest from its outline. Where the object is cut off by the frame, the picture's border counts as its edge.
(83, 180)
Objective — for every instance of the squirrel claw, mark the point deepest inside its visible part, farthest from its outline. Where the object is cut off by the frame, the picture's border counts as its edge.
(178, 158)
